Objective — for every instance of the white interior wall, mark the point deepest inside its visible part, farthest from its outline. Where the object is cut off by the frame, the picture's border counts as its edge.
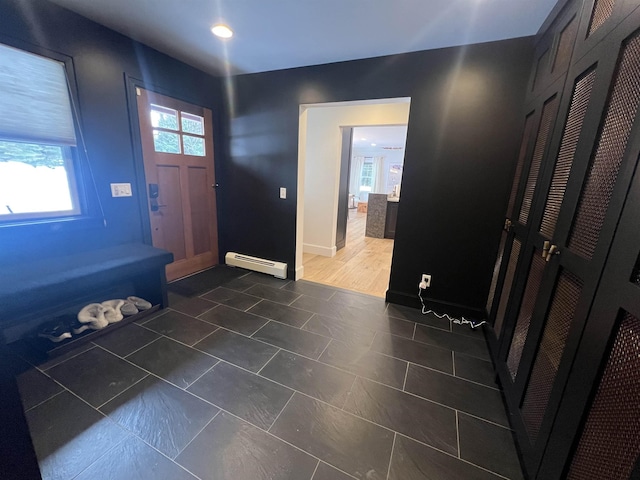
(319, 165)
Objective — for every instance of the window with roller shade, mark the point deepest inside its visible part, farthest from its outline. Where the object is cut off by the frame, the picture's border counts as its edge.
(37, 138)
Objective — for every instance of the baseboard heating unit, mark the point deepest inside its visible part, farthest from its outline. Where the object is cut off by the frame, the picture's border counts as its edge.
(277, 269)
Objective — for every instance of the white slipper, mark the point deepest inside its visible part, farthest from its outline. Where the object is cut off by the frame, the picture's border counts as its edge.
(140, 303)
(128, 308)
(124, 307)
(93, 314)
(112, 310)
(112, 315)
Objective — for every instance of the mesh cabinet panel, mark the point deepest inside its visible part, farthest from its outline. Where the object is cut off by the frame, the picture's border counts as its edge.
(526, 312)
(541, 69)
(577, 111)
(508, 283)
(602, 10)
(610, 441)
(528, 127)
(554, 337)
(605, 164)
(565, 45)
(546, 122)
(496, 272)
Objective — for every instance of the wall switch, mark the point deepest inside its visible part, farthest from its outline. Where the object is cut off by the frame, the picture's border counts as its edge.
(120, 189)
(283, 192)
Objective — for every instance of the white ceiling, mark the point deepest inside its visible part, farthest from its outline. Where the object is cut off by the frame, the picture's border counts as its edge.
(277, 34)
(381, 136)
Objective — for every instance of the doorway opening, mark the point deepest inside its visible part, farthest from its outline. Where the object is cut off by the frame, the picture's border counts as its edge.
(339, 172)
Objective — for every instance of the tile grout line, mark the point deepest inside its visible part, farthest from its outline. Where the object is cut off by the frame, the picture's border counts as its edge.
(453, 362)
(63, 361)
(207, 371)
(415, 326)
(458, 433)
(406, 374)
(324, 349)
(268, 430)
(348, 392)
(451, 455)
(438, 371)
(64, 389)
(308, 320)
(393, 445)
(104, 453)
(287, 442)
(267, 362)
(129, 387)
(195, 436)
(137, 349)
(315, 470)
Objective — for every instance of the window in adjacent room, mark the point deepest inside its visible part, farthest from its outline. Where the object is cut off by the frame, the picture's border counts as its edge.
(366, 177)
(37, 138)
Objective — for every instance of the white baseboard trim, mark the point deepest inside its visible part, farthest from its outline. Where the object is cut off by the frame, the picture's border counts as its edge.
(299, 272)
(319, 250)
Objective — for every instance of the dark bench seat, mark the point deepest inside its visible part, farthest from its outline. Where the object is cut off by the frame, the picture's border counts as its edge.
(32, 293)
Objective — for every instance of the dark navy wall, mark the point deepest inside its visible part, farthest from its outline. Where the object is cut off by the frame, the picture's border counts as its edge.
(101, 58)
(464, 128)
(462, 141)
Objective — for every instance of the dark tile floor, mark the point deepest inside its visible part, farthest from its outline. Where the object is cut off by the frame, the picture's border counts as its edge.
(247, 377)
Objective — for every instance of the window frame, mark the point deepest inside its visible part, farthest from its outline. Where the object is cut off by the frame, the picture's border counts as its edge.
(362, 187)
(85, 209)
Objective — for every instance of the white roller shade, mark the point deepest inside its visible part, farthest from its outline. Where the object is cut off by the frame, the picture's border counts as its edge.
(34, 99)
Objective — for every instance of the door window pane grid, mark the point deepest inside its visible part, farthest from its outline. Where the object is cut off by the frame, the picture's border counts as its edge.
(192, 123)
(163, 117)
(166, 142)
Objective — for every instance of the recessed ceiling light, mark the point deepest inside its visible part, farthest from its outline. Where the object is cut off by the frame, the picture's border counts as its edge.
(373, 144)
(363, 139)
(222, 31)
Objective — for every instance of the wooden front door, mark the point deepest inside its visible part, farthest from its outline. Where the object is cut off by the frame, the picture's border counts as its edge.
(177, 146)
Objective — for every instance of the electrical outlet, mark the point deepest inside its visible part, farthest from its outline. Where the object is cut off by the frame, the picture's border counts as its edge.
(426, 279)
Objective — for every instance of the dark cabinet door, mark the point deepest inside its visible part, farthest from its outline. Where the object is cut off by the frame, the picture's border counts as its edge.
(571, 222)
(597, 427)
(391, 220)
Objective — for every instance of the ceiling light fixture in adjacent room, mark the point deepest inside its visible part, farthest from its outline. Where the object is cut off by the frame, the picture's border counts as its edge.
(222, 31)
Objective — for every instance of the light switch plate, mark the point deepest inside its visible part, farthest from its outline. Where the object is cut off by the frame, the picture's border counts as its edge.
(120, 189)
(283, 192)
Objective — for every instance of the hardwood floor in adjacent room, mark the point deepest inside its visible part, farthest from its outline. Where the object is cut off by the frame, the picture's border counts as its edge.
(363, 265)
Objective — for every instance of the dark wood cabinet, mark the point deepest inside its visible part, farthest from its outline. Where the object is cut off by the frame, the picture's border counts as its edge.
(392, 218)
